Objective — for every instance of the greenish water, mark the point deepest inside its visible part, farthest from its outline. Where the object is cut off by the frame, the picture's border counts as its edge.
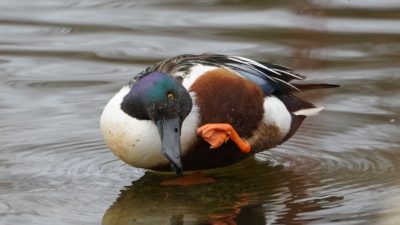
(62, 60)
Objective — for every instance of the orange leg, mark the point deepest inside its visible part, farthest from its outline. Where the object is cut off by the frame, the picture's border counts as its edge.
(218, 133)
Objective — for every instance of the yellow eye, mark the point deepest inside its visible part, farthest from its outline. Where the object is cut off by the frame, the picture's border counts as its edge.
(170, 96)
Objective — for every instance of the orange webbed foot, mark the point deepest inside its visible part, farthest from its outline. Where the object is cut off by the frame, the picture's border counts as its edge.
(218, 133)
(189, 180)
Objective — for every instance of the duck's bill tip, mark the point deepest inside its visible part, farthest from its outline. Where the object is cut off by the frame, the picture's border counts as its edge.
(177, 169)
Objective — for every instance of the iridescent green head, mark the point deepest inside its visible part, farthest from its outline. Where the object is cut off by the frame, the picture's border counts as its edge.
(161, 98)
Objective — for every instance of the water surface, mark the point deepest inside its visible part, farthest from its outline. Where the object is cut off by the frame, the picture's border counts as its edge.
(61, 61)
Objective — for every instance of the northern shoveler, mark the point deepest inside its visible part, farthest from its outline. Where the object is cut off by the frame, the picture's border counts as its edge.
(198, 112)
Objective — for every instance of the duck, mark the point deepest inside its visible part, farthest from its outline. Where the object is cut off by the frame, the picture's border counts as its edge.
(198, 112)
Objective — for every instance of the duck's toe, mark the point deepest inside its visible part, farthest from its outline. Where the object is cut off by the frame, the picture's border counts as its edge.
(217, 134)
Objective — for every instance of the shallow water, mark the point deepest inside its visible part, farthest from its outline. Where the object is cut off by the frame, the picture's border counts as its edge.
(61, 61)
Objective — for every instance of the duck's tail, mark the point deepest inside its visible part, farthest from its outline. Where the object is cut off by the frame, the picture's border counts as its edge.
(299, 108)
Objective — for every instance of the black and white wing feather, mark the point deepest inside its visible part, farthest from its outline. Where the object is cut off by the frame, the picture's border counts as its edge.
(269, 77)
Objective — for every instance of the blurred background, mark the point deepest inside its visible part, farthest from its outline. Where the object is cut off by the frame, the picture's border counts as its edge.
(62, 60)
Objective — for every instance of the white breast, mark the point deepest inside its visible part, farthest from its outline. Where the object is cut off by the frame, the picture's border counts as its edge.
(137, 142)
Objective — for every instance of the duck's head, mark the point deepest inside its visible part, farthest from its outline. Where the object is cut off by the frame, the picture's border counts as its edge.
(161, 98)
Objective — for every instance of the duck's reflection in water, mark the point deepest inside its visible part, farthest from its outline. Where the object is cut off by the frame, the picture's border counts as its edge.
(249, 193)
